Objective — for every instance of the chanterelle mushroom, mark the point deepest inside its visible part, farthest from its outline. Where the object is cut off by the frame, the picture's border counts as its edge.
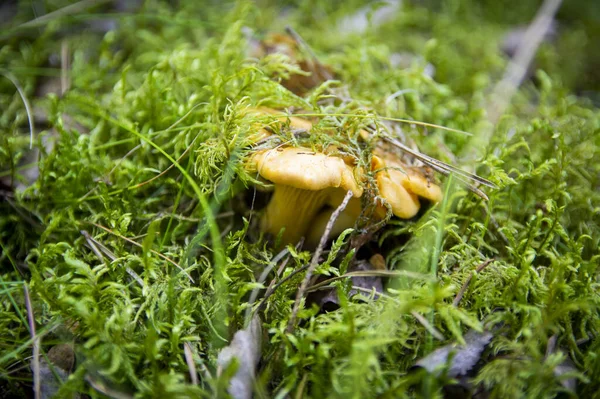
(401, 186)
(304, 182)
(309, 185)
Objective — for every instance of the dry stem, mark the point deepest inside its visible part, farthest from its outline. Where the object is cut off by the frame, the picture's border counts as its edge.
(465, 285)
(315, 259)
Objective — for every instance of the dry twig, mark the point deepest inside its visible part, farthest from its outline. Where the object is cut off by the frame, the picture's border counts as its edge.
(517, 68)
(465, 285)
(432, 330)
(189, 359)
(261, 279)
(315, 259)
(139, 245)
(35, 361)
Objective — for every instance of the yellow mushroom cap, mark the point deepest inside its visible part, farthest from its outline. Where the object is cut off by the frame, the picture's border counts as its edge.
(304, 181)
(304, 169)
(401, 186)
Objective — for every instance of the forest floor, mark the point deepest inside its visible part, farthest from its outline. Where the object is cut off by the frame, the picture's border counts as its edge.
(139, 248)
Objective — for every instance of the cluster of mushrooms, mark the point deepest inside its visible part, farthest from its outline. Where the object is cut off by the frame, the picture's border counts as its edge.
(309, 186)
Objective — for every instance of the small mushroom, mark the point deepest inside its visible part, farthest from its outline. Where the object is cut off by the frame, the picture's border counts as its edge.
(304, 182)
(401, 186)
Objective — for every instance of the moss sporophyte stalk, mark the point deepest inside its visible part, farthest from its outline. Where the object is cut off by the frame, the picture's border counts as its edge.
(346, 206)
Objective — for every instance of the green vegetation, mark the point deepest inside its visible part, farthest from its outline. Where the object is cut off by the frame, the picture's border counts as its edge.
(139, 237)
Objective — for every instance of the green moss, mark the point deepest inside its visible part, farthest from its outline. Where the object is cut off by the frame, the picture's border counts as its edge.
(149, 142)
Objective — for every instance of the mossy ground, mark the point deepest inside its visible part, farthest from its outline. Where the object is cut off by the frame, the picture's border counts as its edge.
(167, 85)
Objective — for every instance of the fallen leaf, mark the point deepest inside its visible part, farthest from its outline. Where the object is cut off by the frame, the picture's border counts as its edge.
(246, 348)
(367, 282)
(461, 357)
(567, 367)
(62, 359)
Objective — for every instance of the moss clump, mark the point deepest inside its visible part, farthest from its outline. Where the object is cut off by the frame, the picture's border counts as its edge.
(131, 223)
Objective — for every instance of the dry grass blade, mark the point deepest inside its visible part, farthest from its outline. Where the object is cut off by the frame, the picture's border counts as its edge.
(440, 166)
(35, 361)
(94, 245)
(140, 246)
(189, 359)
(517, 69)
(21, 92)
(465, 285)
(315, 259)
(70, 9)
(65, 82)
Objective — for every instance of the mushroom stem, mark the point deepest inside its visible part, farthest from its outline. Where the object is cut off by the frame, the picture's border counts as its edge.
(346, 219)
(293, 209)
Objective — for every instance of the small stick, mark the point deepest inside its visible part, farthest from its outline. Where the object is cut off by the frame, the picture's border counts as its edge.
(432, 330)
(315, 259)
(101, 387)
(139, 245)
(261, 279)
(370, 273)
(465, 285)
(35, 365)
(189, 359)
(65, 82)
(550, 346)
(94, 246)
(314, 59)
(270, 291)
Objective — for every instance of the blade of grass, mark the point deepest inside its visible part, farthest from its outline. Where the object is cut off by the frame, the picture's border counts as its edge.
(385, 118)
(28, 110)
(36, 345)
